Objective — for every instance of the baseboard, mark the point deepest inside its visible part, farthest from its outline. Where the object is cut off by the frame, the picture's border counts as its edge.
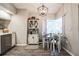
(21, 44)
(68, 51)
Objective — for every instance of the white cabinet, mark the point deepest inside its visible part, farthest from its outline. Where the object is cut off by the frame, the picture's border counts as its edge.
(13, 39)
(4, 15)
(33, 39)
(33, 30)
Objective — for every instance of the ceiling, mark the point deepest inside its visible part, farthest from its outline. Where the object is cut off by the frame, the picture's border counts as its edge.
(32, 7)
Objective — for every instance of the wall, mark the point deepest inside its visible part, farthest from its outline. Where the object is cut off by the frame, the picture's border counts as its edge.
(75, 28)
(70, 25)
(60, 12)
(19, 25)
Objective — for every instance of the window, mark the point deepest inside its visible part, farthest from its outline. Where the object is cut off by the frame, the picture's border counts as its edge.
(54, 26)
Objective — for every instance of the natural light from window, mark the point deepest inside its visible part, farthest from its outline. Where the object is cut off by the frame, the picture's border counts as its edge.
(54, 26)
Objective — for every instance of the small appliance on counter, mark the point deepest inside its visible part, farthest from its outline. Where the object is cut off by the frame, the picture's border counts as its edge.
(5, 30)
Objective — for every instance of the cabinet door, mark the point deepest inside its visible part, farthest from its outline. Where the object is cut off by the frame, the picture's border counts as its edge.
(33, 39)
(3, 44)
(8, 41)
(13, 39)
(36, 39)
(30, 39)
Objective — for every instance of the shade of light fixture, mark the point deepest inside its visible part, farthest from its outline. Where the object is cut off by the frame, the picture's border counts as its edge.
(43, 10)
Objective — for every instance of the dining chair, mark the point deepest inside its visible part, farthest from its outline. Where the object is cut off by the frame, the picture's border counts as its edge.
(46, 40)
(55, 44)
(59, 43)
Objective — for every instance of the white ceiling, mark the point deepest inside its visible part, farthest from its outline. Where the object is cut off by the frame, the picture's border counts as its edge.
(32, 7)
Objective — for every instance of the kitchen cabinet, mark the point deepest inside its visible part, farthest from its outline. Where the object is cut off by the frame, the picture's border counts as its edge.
(33, 39)
(5, 43)
(4, 15)
(33, 30)
(13, 39)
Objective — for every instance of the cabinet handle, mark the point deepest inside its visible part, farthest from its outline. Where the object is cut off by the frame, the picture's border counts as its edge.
(33, 37)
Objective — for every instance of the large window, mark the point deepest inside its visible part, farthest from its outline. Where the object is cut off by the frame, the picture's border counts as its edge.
(54, 26)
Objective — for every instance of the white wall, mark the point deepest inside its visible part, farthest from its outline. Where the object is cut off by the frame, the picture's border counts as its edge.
(75, 28)
(19, 25)
(71, 27)
(70, 17)
(60, 12)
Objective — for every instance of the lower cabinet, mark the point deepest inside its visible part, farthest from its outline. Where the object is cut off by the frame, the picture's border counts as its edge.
(13, 39)
(33, 39)
(6, 43)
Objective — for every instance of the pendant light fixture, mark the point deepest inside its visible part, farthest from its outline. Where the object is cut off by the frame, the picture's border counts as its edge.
(43, 10)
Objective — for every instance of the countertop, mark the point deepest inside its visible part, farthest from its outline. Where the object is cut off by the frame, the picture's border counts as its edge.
(5, 33)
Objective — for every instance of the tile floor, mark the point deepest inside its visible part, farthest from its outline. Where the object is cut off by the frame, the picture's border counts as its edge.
(21, 51)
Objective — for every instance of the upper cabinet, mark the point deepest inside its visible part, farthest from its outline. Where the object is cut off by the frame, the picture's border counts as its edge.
(5, 19)
(4, 15)
(6, 11)
(10, 8)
